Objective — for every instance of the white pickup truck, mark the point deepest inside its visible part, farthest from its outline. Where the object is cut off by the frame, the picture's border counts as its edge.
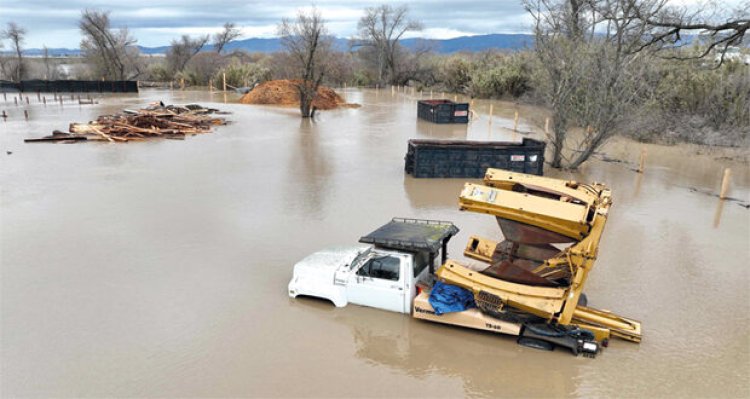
(382, 274)
(394, 270)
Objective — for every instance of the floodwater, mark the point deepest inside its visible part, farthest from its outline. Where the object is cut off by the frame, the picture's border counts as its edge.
(160, 269)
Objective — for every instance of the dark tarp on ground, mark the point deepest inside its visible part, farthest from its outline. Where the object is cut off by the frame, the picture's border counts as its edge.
(446, 298)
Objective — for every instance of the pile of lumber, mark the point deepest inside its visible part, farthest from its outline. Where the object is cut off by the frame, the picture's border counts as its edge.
(159, 121)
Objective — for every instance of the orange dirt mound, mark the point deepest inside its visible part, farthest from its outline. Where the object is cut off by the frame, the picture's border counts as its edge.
(284, 92)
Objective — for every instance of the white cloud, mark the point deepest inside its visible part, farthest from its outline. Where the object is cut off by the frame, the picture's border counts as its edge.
(439, 33)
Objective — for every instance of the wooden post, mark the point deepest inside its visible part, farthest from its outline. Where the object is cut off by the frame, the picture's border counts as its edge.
(393, 90)
(725, 183)
(515, 122)
(224, 80)
(171, 85)
(642, 161)
(546, 125)
(490, 117)
(182, 83)
(211, 85)
(430, 93)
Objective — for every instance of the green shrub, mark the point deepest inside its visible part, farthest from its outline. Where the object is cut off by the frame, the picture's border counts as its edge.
(242, 75)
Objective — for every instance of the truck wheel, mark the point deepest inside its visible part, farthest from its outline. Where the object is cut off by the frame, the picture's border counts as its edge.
(536, 343)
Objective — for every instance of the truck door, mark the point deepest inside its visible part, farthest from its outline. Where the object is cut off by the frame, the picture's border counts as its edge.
(379, 283)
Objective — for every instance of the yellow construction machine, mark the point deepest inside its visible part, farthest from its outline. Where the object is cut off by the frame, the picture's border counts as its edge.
(529, 280)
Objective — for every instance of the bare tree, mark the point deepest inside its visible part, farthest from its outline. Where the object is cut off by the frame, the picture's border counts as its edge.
(221, 39)
(3, 62)
(47, 63)
(307, 41)
(381, 28)
(16, 35)
(718, 29)
(593, 66)
(111, 53)
(182, 50)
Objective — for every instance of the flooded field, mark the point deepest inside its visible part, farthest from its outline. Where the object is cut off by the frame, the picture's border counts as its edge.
(161, 268)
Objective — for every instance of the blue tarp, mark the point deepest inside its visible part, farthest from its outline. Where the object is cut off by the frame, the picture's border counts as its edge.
(446, 298)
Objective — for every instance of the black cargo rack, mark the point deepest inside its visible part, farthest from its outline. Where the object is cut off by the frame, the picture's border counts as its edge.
(413, 235)
(443, 111)
(470, 159)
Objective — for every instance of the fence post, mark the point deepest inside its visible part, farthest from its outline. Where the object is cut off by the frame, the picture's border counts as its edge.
(224, 80)
(515, 122)
(642, 161)
(725, 183)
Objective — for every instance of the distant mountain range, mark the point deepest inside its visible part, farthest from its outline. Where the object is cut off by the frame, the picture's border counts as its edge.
(258, 45)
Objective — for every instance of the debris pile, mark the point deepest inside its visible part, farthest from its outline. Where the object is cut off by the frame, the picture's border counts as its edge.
(157, 121)
(284, 92)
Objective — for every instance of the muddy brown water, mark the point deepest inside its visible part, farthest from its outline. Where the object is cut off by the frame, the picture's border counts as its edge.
(160, 268)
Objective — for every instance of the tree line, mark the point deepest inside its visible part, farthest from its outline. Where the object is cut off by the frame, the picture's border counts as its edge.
(600, 67)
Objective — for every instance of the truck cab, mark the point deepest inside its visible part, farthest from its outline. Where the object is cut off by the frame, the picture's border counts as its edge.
(381, 273)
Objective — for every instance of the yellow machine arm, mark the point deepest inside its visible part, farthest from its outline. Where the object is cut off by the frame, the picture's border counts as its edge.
(527, 273)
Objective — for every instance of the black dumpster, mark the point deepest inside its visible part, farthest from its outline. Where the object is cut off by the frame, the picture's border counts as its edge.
(470, 159)
(443, 111)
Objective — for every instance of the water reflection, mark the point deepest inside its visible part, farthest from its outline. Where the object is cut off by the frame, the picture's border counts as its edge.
(717, 214)
(309, 169)
(487, 364)
(637, 184)
(448, 131)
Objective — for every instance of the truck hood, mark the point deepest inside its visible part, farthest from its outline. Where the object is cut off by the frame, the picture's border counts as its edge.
(322, 265)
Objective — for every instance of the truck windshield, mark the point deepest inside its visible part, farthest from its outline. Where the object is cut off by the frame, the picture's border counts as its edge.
(359, 259)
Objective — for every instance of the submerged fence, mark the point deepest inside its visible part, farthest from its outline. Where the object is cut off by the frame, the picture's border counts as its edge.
(71, 86)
